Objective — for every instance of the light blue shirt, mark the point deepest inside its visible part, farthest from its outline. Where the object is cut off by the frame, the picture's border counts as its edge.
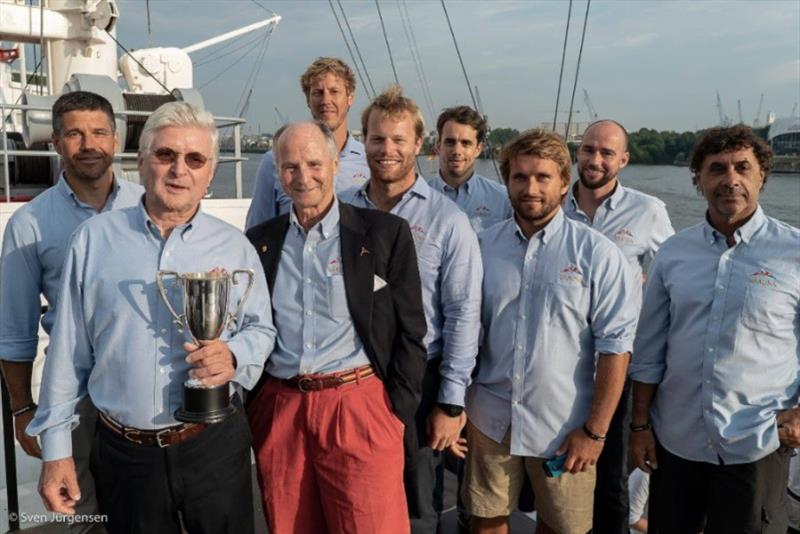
(450, 270)
(484, 201)
(315, 330)
(719, 334)
(34, 244)
(550, 305)
(113, 335)
(269, 199)
(636, 222)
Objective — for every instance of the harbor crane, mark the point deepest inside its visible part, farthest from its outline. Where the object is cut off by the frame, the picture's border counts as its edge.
(739, 108)
(589, 106)
(757, 120)
(723, 119)
(284, 120)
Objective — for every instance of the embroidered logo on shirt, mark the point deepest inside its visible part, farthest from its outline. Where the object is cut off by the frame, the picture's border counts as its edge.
(359, 178)
(763, 277)
(483, 211)
(571, 274)
(623, 235)
(418, 232)
(335, 266)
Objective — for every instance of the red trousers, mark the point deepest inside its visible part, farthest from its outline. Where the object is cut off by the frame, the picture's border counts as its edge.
(331, 460)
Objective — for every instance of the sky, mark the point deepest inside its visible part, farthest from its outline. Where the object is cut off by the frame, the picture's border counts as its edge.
(644, 63)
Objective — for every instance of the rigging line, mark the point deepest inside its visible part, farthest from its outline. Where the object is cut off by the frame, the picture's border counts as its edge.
(138, 63)
(42, 48)
(417, 60)
(561, 73)
(149, 29)
(577, 69)
(262, 7)
(251, 81)
(386, 38)
(349, 50)
(414, 57)
(469, 86)
(233, 64)
(22, 92)
(421, 65)
(210, 59)
(358, 49)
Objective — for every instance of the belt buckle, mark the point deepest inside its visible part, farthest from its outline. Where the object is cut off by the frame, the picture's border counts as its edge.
(159, 434)
(304, 380)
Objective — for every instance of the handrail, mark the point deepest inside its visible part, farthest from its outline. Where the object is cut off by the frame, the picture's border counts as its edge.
(222, 122)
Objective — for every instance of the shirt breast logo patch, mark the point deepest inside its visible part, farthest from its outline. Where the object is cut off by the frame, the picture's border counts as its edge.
(335, 266)
(359, 178)
(418, 232)
(571, 274)
(763, 277)
(483, 211)
(624, 236)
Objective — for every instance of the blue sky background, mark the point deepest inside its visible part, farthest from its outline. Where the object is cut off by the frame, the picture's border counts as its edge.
(645, 63)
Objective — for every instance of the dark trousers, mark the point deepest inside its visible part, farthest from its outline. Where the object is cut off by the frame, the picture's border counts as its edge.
(203, 483)
(742, 498)
(424, 471)
(611, 505)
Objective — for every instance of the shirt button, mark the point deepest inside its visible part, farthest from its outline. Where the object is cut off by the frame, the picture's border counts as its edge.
(710, 349)
(309, 345)
(309, 312)
(167, 253)
(308, 280)
(163, 370)
(519, 347)
(522, 317)
(527, 286)
(515, 402)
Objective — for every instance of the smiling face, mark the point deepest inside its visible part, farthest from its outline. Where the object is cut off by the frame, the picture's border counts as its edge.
(173, 189)
(392, 146)
(329, 100)
(731, 182)
(86, 144)
(601, 155)
(458, 149)
(535, 189)
(306, 167)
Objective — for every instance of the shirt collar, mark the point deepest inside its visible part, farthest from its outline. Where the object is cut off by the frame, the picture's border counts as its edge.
(744, 233)
(420, 189)
(328, 226)
(185, 230)
(612, 202)
(64, 188)
(546, 233)
(352, 146)
(444, 185)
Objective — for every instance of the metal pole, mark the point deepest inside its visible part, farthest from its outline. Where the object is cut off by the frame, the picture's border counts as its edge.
(10, 456)
(6, 178)
(237, 152)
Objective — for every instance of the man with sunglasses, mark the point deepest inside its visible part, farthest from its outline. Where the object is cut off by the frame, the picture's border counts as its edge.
(329, 86)
(34, 244)
(114, 340)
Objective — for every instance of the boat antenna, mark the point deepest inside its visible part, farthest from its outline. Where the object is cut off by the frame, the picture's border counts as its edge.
(139, 63)
(149, 29)
(386, 38)
(358, 50)
(349, 50)
(577, 70)
(561, 72)
(412, 46)
(469, 86)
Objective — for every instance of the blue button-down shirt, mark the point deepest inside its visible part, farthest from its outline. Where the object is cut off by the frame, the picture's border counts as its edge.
(636, 222)
(269, 199)
(719, 335)
(113, 334)
(450, 270)
(315, 330)
(484, 201)
(34, 244)
(550, 305)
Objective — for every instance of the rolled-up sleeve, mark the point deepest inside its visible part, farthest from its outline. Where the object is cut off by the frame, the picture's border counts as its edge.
(20, 287)
(68, 364)
(613, 313)
(650, 346)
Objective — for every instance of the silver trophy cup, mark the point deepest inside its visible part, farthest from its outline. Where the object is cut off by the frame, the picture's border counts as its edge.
(205, 314)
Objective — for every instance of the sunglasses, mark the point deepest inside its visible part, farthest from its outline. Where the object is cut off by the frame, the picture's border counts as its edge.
(167, 156)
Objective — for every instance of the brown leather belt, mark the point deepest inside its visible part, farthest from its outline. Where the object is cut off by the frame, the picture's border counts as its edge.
(307, 383)
(153, 438)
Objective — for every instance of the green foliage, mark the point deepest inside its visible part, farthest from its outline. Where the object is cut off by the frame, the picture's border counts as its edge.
(500, 136)
(650, 147)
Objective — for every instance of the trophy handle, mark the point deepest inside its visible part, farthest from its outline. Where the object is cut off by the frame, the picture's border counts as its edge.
(250, 279)
(161, 289)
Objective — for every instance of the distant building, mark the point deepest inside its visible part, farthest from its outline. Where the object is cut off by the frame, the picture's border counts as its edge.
(576, 129)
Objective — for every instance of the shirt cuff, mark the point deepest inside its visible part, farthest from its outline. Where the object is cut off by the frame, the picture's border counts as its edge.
(613, 346)
(647, 374)
(451, 392)
(56, 444)
(19, 350)
(247, 371)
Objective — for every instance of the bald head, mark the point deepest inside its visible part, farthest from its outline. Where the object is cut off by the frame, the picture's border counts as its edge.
(602, 154)
(314, 130)
(609, 127)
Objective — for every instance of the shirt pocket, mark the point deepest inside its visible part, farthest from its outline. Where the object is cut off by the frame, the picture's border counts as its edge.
(767, 310)
(566, 304)
(337, 297)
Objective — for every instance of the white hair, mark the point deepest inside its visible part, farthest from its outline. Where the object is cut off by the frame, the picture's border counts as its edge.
(180, 115)
(327, 133)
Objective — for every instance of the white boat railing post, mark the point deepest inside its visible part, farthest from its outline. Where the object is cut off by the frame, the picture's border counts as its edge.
(6, 177)
(237, 153)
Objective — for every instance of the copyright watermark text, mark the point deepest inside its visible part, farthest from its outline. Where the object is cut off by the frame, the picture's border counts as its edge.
(25, 517)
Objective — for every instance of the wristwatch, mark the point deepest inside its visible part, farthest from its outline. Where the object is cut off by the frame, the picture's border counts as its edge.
(453, 410)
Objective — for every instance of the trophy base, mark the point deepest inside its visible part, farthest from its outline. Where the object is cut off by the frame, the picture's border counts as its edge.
(205, 404)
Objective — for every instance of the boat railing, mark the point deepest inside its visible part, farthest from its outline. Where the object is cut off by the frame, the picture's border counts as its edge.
(9, 441)
(221, 122)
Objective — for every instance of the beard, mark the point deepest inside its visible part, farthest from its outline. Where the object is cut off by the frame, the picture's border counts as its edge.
(535, 215)
(604, 180)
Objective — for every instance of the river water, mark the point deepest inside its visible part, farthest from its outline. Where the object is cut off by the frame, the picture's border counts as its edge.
(673, 185)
